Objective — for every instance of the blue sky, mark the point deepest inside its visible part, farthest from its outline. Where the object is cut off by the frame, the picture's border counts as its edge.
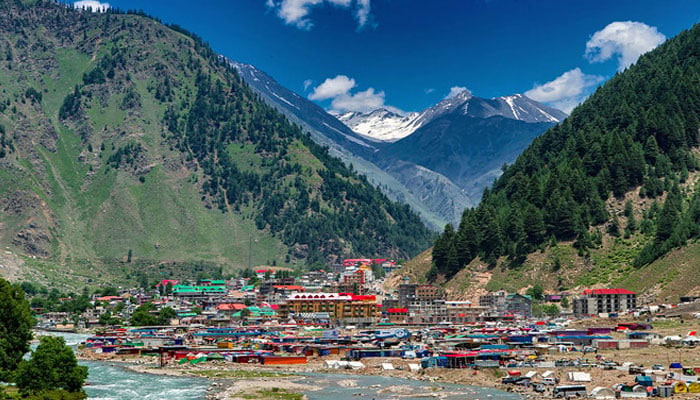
(408, 54)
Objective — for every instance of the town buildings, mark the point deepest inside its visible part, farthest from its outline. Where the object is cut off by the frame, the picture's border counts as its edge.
(502, 303)
(599, 301)
(340, 307)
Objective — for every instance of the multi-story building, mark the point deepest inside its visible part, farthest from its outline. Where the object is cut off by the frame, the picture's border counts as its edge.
(495, 302)
(355, 277)
(519, 304)
(427, 311)
(598, 301)
(459, 312)
(341, 307)
(342, 287)
(502, 303)
(198, 291)
(412, 292)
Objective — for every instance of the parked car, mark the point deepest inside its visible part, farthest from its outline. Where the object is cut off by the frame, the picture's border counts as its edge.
(550, 380)
(539, 388)
(524, 382)
(658, 367)
(513, 380)
(609, 365)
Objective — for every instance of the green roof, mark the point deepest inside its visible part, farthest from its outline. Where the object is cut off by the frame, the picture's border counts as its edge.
(258, 312)
(198, 289)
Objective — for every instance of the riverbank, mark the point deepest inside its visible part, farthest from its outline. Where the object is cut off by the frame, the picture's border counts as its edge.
(239, 381)
(231, 380)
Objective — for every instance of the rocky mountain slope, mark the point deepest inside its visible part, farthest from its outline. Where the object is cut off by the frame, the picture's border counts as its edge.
(436, 198)
(124, 139)
(452, 170)
(468, 139)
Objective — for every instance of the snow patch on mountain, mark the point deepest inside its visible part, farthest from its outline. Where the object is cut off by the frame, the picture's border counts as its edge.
(381, 124)
(387, 126)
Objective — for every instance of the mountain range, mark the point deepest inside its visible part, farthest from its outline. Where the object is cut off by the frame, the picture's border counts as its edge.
(127, 142)
(389, 126)
(438, 160)
(607, 197)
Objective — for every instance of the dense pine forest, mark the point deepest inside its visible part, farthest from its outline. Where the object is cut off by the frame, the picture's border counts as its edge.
(120, 135)
(638, 132)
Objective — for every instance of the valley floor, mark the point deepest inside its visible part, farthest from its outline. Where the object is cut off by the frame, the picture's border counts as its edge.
(234, 381)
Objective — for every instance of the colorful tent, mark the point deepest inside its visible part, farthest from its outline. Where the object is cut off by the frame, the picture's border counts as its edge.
(694, 387)
(680, 387)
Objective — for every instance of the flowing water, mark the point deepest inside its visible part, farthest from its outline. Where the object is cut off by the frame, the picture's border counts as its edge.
(108, 381)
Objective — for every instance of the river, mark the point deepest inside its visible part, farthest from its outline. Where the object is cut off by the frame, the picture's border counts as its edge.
(108, 381)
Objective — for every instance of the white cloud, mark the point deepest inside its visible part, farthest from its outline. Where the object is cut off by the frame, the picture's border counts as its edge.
(626, 39)
(296, 12)
(362, 13)
(429, 90)
(566, 91)
(364, 101)
(455, 90)
(338, 90)
(307, 83)
(332, 87)
(94, 5)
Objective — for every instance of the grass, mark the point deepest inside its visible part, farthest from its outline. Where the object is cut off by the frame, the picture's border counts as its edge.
(111, 116)
(246, 159)
(71, 66)
(668, 277)
(239, 374)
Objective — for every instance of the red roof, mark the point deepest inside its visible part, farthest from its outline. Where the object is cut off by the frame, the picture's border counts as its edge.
(230, 307)
(363, 297)
(290, 287)
(397, 310)
(608, 291)
(109, 298)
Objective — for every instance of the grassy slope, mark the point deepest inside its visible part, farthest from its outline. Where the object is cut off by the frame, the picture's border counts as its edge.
(676, 274)
(96, 213)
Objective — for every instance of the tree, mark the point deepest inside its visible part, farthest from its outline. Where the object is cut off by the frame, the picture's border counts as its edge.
(142, 316)
(110, 291)
(108, 319)
(52, 366)
(165, 315)
(564, 302)
(536, 292)
(15, 328)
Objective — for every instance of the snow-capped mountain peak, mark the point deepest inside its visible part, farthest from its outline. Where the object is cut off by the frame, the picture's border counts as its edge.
(380, 124)
(517, 106)
(389, 126)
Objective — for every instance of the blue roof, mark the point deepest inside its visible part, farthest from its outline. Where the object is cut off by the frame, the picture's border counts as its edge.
(583, 337)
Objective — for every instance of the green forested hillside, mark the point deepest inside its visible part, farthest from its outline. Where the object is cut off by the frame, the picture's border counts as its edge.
(637, 136)
(122, 138)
